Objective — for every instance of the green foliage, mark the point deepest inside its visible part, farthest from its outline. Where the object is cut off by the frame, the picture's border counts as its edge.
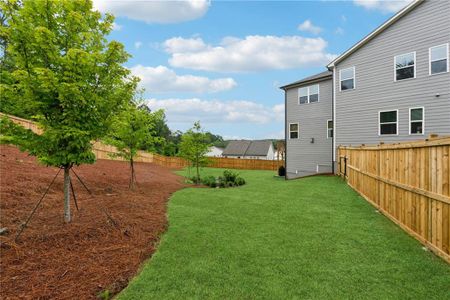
(62, 70)
(133, 128)
(228, 179)
(194, 146)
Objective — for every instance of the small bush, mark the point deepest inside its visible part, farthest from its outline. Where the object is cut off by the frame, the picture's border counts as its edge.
(229, 179)
(195, 180)
(230, 176)
(281, 171)
(240, 181)
(209, 181)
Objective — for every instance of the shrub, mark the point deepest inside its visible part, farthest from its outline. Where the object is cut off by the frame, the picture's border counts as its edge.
(195, 179)
(281, 171)
(230, 176)
(209, 181)
(240, 181)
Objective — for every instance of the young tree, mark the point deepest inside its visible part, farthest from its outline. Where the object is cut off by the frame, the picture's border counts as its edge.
(133, 128)
(194, 146)
(70, 75)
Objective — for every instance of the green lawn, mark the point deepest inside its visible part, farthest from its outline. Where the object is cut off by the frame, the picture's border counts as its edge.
(311, 238)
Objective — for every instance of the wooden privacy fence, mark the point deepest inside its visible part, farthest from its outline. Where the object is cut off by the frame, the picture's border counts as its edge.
(103, 151)
(407, 182)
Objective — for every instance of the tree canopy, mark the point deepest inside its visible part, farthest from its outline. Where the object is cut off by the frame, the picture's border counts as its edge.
(61, 69)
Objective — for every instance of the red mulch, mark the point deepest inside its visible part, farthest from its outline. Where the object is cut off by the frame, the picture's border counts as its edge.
(54, 260)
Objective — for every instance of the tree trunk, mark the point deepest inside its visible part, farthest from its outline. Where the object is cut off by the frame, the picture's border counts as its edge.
(198, 172)
(67, 217)
(131, 186)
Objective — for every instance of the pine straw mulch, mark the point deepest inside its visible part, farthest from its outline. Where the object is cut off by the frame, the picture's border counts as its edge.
(101, 249)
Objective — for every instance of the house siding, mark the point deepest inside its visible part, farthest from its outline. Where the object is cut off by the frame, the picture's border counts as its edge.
(302, 156)
(357, 110)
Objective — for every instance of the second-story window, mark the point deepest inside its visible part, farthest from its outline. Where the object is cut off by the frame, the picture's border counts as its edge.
(405, 66)
(439, 59)
(347, 79)
(308, 94)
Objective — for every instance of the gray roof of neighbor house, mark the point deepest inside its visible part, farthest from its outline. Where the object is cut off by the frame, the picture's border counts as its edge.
(242, 148)
(316, 77)
(258, 148)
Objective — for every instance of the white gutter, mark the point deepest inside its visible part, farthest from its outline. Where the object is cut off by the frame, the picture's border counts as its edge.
(334, 115)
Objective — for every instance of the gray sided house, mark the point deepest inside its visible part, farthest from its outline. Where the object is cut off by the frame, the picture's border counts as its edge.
(308, 117)
(392, 86)
(249, 150)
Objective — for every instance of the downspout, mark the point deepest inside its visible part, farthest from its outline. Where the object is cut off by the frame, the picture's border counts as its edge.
(333, 105)
(285, 135)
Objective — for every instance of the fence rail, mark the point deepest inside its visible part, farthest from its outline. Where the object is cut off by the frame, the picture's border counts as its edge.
(407, 182)
(103, 151)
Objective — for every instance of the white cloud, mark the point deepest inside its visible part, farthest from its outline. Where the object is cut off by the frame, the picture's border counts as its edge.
(386, 6)
(339, 31)
(253, 53)
(116, 26)
(163, 12)
(138, 44)
(309, 27)
(162, 79)
(216, 111)
(343, 18)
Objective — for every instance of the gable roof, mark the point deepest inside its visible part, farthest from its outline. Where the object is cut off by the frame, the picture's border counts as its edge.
(236, 148)
(243, 147)
(258, 148)
(314, 78)
(376, 32)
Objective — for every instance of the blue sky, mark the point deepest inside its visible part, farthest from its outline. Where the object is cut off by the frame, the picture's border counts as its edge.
(222, 62)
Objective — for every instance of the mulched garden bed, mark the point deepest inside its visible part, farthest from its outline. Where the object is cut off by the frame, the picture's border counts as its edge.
(114, 231)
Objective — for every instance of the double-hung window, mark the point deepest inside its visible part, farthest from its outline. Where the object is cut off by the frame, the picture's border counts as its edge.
(329, 129)
(439, 59)
(308, 94)
(347, 79)
(388, 122)
(416, 120)
(293, 130)
(405, 66)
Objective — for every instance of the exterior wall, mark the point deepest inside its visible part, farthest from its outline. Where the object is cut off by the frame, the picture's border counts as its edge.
(357, 110)
(302, 156)
(214, 152)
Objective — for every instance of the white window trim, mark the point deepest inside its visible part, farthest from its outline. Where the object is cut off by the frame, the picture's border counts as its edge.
(379, 123)
(354, 79)
(298, 131)
(395, 66)
(328, 129)
(423, 120)
(429, 60)
(308, 94)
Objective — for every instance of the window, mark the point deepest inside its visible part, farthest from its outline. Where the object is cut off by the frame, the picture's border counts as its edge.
(405, 66)
(388, 122)
(329, 129)
(347, 78)
(309, 94)
(303, 95)
(293, 131)
(314, 93)
(416, 117)
(439, 59)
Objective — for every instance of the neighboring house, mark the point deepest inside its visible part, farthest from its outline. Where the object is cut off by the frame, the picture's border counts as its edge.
(249, 150)
(214, 151)
(392, 86)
